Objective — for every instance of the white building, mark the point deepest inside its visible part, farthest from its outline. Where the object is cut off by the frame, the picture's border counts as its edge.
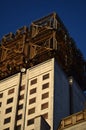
(40, 90)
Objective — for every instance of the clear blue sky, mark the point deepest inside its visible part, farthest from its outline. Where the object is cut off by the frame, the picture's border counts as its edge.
(16, 13)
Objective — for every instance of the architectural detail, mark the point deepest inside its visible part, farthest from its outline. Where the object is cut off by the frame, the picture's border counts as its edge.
(46, 38)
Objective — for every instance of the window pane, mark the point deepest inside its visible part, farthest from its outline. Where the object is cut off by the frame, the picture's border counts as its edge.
(1, 95)
(18, 127)
(10, 100)
(22, 87)
(31, 111)
(33, 82)
(33, 100)
(32, 91)
(19, 117)
(45, 95)
(45, 116)
(44, 106)
(7, 120)
(20, 106)
(44, 86)
(10, 91)
(21, 97)
(8, 110)
(46, 76)
(30, 122)
(0, 104)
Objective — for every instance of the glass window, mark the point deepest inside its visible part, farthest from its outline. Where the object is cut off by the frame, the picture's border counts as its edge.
(22, 87)
(45, 116)
(44, 106)
(45, 95)
(19, 117)
(21, 97)
(33, 100)
(10, 100)
(31, 111)
(8, 110)
(32, 91)
(30, 122)
(34, 81)
(10, 91)
(46, 85)
(1, 95)
(20, 106)
(46, 76)
(7, 120)
(18, 127)
(0, 104)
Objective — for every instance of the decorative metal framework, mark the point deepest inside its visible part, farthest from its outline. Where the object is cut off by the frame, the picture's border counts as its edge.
(46, 38)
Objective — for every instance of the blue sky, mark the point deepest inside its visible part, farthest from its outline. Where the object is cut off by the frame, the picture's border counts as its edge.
(16, 13)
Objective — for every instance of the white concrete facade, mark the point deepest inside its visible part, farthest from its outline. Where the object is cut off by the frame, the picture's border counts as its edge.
(42, 90)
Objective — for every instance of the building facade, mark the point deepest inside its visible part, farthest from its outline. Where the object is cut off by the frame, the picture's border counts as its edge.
(40, 90)
(35, 65)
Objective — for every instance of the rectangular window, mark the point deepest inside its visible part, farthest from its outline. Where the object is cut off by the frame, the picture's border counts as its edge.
(33, 100)
(32, 91)
(44, 106)
(30, 122)
(7, 120)
(1, 95)
(10, 91)
(45, 116)
(31, 111)
(22, 87)
(21, 97)
(8, 110)
(19, 117)
(20, 107)
(34, 81)
(46, 85)
(18, 127)
(46, 76)
(10, 100)
(0, 104)
(45, 95)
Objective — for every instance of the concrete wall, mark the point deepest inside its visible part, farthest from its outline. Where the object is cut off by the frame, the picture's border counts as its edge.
(61, 95)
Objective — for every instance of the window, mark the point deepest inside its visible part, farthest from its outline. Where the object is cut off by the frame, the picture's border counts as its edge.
(45, 116)
(19, 117)
(33, 82)
(45, 95)
(46, 85)
(33, 100)
(31, 111)
(0, 104)
(10, 91)
(21, 97)
(8, 110)
(7, 120)
(22, 87)
(44, 106)
(46, 76)
(32, 91)
(1, 95)
(30, 122)
(20, 106)
(18, 127)
(10, 100)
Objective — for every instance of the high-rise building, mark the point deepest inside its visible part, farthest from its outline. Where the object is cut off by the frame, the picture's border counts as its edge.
(35, 66)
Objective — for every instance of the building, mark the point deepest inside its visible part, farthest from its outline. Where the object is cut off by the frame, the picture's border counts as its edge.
(35, 77)
(74, 122)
